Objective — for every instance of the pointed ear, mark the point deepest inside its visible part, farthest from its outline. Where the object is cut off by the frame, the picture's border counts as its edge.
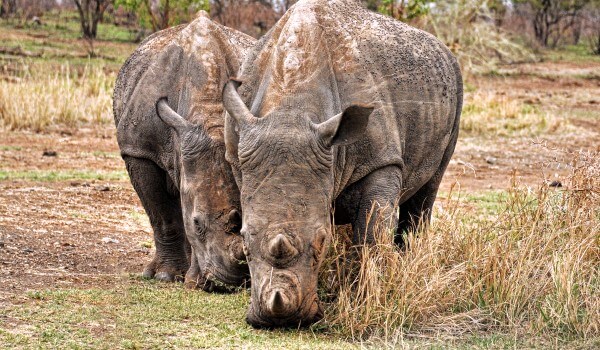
(346, 127)
(234, 105)
(170, 117)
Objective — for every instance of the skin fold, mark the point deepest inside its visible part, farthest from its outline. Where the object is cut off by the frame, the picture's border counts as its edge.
(175, 153)
(340, 110)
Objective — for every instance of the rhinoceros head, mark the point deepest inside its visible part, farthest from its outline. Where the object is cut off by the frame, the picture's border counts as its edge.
(286, 166)
(209, 199)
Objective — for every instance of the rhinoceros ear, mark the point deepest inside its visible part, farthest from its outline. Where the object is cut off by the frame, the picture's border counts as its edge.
(346, 127)
(234, 105)
(170, 117)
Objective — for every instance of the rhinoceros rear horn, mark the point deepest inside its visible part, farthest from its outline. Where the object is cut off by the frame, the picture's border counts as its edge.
(170, 117)
(234, 105)
(346, 127)
(281, 248)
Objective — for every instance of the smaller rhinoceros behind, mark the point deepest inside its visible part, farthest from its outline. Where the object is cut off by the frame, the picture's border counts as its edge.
(174, 150)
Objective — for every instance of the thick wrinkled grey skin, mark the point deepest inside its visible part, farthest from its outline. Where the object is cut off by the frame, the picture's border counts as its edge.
(175, 153)
(340, 110)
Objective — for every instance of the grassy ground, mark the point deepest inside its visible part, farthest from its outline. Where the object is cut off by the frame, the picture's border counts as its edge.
(63, 286)
(58, 41)
(144, 315)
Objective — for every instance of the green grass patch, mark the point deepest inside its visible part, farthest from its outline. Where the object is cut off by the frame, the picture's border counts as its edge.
(10, 148)
(102, 154)
(146, 315)
(58, 41)
(579, 53)
(491, 202)
(40, 175)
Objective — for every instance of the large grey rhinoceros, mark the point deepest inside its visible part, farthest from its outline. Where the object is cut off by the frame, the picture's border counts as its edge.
(339, 110)
(175, 153)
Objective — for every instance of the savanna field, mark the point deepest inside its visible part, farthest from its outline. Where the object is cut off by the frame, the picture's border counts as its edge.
(511, 258)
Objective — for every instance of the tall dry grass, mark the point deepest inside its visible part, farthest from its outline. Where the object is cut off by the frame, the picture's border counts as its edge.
(37, 99)
(493, 113)
(532, 268)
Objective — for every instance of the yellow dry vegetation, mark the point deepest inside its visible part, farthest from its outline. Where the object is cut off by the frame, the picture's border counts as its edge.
(36, 100)
(533, 267)
(492, 113)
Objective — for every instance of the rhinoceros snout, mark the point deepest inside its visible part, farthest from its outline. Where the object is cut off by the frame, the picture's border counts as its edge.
(282, 313)
(281, 303)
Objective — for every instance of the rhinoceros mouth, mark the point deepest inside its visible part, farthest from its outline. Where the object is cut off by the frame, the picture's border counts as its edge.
(217, 282)
(293, 321)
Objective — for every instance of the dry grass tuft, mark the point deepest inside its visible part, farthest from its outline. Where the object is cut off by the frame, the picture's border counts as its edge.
(489, 113)
(38, 100)
(533, 268)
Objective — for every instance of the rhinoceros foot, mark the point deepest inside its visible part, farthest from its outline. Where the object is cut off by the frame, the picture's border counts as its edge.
(165, 271)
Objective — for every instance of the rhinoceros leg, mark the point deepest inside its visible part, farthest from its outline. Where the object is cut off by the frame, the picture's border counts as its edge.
(417, 209)
(163, 207)
(370, 202)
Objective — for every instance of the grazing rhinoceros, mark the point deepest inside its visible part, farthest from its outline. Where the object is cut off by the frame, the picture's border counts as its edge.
(175, 153)
(338, 106)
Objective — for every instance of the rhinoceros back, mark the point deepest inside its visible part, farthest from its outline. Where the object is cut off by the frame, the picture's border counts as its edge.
(338, 54)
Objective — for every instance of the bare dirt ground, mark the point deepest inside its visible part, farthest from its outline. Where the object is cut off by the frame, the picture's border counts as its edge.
(67, 233)
(488, 162)
(87, 231)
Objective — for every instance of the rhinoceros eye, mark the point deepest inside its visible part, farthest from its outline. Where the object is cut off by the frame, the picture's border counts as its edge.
(318, 245)
(200, 227)
(194, 143)
(234, 222)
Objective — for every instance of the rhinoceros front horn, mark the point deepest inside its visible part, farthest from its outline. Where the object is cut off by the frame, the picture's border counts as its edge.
(281, 248)
(278, 304)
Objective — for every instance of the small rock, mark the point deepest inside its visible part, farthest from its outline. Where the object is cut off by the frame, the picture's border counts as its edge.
(102, 188)
(532, 101)
(490, 160)
(28, 250)
(1, 244)
(107, 240)
(555, 183)
(49, 153)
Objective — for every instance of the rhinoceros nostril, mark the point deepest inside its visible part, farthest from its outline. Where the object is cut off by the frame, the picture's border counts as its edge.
(280, 247)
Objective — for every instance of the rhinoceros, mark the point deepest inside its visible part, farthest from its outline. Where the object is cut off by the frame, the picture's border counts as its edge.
(339, 110)
(174, 150)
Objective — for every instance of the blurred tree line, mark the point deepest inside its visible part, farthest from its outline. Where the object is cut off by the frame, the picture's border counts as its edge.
(536, 23)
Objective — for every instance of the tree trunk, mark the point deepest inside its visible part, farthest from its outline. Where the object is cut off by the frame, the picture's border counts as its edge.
(7, 7)
(90, 14)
